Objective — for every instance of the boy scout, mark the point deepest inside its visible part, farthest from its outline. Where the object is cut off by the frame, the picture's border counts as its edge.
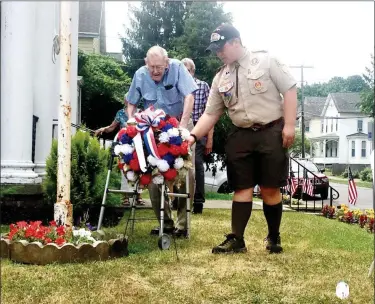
(260, 96)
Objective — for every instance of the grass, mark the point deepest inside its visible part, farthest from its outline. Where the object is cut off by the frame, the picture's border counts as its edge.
(318, 254)
(358, 182)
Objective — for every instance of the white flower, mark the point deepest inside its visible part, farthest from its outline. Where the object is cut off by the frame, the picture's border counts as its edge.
(178, 163)
(152, 160)
(82, 233)
(162, 165)
(164, 137)
(117, 149)
(130, 175)
(184, 133)
(158, 179)
(173, 132)
(127, 149)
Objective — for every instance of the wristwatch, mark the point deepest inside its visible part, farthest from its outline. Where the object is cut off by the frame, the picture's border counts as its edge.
(195, 137)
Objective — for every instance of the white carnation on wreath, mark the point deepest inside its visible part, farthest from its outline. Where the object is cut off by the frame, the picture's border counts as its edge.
(173, 132)
(162, 165)
(158, 179)
(131, 176)
(184, 133)
(117, 149)
(164, 137)
(127, 149)
(152, 160)
(178, 163)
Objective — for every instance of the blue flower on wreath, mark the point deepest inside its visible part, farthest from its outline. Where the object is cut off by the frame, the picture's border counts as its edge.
(127, 157)
(169, 158)
(175, 140)
(125, 139)
(167, 127)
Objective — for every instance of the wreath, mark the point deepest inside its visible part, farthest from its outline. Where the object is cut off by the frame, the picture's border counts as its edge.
(153, 149)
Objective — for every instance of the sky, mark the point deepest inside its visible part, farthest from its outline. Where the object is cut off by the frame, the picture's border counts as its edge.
(335, 38)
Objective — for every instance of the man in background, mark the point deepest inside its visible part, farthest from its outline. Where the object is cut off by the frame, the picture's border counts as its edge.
(204, 145)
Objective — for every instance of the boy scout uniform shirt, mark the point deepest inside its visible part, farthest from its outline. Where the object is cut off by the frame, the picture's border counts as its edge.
(261, 81)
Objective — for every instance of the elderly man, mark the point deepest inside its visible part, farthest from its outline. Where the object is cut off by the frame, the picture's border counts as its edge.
(204, 145)
(249, 86)
(166, 84)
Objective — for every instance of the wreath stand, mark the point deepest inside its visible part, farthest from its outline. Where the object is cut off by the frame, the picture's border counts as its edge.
(164, 241)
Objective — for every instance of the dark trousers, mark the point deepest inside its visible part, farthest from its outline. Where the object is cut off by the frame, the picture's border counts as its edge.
(199, 197)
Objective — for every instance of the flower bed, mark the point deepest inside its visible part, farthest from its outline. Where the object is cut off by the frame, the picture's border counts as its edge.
(344, 214)
(34, 243)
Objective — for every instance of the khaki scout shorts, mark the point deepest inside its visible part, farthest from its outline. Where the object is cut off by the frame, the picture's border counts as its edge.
(257, 158)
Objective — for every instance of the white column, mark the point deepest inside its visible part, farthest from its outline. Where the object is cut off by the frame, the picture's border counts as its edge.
(46, 80)
(17, 63)
(74, 66)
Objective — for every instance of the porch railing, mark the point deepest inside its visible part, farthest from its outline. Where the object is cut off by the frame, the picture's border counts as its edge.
(318, 183)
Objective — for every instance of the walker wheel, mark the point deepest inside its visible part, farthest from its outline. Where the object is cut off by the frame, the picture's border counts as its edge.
(164, 242)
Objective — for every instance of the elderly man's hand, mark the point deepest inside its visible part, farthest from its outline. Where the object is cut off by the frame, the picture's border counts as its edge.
(99, 131)
(288, 135)
(190, 140)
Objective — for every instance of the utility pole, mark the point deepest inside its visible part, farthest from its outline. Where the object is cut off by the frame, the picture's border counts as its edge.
(63, 209)
(302, 105)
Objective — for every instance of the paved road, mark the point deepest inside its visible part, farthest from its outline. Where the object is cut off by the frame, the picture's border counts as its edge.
(365, 196)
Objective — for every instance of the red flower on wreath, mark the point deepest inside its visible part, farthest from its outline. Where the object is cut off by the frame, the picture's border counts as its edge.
(163, 149)
(184, 148)
(145, 179)
(121, 132)
(162, 124)
(170, 174)
(120, 165)
(131, 131)
(173, 121)
(134, 164)
(175, 150)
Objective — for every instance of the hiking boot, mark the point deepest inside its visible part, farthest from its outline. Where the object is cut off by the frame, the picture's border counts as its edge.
(272, 245)
(232, 244)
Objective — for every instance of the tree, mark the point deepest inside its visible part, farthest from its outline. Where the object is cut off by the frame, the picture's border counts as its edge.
(104, 86)
(153, 23)
(296, 149)
(201, 20)
(367, 95)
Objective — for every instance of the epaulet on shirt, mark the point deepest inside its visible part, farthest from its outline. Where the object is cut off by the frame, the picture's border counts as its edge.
(259, 51)
(220, 68)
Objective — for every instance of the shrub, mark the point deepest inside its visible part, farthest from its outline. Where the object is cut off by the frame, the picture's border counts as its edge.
(354, 173)
(366, 174)
(89, 167)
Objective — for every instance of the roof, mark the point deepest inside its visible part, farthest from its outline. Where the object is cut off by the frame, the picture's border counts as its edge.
(346, 102)
(358, 134)
(331, 136)
(90, 18)
(313, 106)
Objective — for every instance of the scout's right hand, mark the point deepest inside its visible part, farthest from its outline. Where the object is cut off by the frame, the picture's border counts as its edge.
(190, 140)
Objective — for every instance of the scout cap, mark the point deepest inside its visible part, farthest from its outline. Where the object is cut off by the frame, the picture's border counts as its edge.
(221, 35)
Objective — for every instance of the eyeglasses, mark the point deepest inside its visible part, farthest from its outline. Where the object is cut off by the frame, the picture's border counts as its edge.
(157, 68)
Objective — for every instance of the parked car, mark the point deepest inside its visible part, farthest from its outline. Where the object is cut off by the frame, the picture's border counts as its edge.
(317, 177)
(219, 182)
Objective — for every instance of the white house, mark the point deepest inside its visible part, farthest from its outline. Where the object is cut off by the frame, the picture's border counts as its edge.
(30, 86)
(341, 134)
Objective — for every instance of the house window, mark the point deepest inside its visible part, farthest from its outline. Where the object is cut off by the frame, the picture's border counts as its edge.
(359, 125)
(337, 124)
(322, 127)
(363, 149)
(353, 148)
(307, 128)
(326, 127)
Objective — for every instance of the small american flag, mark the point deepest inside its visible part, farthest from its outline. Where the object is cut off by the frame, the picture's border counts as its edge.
(353, 194)
(308, 187)
(293, 185)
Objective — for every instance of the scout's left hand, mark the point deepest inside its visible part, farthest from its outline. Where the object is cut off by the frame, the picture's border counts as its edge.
(288, 135)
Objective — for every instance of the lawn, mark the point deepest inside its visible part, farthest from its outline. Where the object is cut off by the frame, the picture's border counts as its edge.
(318, 254)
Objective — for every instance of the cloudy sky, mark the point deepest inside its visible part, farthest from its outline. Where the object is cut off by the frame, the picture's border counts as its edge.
(336, 38)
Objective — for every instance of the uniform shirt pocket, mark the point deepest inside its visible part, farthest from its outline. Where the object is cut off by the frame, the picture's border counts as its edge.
(227, 92)
(258, 82)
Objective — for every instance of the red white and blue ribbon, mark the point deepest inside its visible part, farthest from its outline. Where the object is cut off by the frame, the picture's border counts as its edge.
(145, 121)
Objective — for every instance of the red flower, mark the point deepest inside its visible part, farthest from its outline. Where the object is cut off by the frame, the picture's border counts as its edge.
(175, 150)
(12, 227)
(22, 224)
(184, 148)
(53, 223)
(173, 121)
(135, 156)
(170, 174)
(30, 232)
(35, 224)
(162, 124)
(39, 234)
(120, 165)
(145, 179)
(134, 165)
(131, 131)
(60, 230)
(59, 241)
(47, 240)
(120, 133)
(163, 149)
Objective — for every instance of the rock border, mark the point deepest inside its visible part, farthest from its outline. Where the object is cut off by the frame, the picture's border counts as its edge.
(39, 254)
